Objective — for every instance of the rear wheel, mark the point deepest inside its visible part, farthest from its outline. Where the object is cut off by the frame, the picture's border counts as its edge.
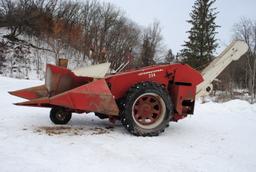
(147, 109)
(60, 116)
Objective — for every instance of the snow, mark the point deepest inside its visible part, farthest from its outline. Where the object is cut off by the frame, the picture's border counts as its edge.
(219, 137)
(24, 61)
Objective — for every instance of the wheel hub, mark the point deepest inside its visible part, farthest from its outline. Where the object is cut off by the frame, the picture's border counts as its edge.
(61, 116)
(147, 109)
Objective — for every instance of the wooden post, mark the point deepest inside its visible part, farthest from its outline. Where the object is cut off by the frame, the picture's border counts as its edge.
(63, 63)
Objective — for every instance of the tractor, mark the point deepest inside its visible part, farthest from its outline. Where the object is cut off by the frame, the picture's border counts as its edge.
(144, 100)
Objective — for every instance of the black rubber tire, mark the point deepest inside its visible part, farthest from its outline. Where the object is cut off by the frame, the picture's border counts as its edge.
(65, 115)
(101, 116)
(126, 115)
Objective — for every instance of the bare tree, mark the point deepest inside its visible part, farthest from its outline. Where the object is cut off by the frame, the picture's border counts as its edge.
(54, 40)
(3, 48)
(108, 35)
(98, 32)
(246, 30)
(151, 42)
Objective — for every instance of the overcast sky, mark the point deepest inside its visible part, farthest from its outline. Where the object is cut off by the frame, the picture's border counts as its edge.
(173, 14)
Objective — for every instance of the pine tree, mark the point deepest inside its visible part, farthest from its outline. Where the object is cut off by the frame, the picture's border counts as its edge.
(199, 50)
(170, 57)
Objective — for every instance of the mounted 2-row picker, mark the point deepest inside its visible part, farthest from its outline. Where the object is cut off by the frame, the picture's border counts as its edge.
(144, 100)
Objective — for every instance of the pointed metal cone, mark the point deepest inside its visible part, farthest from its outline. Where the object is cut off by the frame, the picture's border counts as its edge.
(41, 102)
(23, 94)
(31, 93)
(14, 93)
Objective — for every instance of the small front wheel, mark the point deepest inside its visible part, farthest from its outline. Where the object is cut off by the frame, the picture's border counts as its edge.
(60, 116)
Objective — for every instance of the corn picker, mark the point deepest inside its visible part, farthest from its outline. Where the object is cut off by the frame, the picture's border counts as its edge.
(144, 100)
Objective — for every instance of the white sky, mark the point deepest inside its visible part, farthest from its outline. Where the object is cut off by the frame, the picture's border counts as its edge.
(173, 14)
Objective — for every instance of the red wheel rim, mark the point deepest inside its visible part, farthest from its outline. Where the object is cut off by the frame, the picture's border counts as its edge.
(148, 110)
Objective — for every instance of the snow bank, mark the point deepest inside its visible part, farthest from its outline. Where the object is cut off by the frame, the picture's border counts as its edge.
(21, 60)
(219, 137)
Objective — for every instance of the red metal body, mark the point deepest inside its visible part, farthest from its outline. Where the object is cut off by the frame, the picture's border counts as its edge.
(84, 94)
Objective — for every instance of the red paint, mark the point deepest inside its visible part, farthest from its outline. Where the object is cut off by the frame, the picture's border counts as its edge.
(64, 88)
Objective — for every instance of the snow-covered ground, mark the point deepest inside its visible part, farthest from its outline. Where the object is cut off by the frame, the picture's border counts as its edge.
(219, 137)
(21, 60)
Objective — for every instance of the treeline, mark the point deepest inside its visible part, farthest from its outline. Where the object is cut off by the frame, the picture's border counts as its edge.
(98, 31)
(239, 78)
(94, 32)
(241, 74)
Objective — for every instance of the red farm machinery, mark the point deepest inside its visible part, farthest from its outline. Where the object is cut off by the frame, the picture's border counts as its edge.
(144, 100)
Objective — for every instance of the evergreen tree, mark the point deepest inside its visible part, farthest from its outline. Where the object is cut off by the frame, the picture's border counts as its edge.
(199, 49)
(170, 57)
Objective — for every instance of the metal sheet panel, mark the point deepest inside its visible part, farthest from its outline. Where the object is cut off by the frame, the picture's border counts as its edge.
(93, 97)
